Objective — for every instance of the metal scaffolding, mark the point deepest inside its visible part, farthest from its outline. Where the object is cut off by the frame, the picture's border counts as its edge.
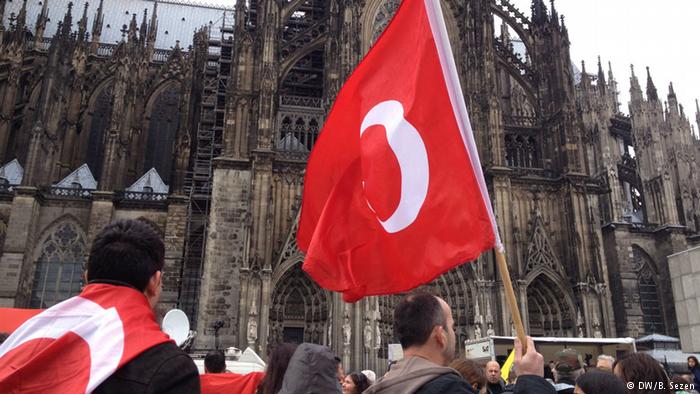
(208, 145)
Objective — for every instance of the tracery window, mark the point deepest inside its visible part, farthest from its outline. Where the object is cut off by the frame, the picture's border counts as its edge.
(59, 269)
(384, 14)
(299, 309)
(521, 151)
(649, 299)
(165, 120)
(98, 127)
(548, 312)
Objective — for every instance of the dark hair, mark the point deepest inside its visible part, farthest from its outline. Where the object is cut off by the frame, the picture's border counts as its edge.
(697, 364)
(415, 317)
(276, 367)
(360, 380)
(601, 382)
(215, 361)
(641, 367)
(470, 371)
(126, 251)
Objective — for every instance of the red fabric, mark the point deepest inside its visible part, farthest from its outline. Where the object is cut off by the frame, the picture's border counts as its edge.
(347, 249)
(227, 383)
(11, 318)
(75, 345)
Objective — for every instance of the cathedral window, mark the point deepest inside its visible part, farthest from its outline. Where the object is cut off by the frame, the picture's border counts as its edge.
(163, 126)
(649, 300)
(99, 123)
(384, 14)
(521, 151)
(59, 269)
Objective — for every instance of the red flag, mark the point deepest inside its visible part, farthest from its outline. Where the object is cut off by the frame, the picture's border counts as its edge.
(394, 195)
(77, 344)
(225, 383)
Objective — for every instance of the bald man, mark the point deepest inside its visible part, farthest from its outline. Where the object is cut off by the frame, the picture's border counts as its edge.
(495, 384)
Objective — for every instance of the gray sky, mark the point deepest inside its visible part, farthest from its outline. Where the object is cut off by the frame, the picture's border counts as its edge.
(640, 32)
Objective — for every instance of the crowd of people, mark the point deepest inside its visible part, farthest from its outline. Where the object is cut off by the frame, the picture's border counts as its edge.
(130, 253)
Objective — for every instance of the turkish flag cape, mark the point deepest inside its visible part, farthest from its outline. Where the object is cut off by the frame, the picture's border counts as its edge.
(226, 383)
(394, 194)
(77, 344)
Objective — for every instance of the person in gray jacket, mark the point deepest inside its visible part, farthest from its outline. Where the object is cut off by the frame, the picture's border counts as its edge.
(425, 328)
(312, 370)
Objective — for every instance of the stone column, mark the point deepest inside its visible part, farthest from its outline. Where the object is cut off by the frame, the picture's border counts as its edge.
(101, 213)
(17, 260)
(174, 239)
(219, 295)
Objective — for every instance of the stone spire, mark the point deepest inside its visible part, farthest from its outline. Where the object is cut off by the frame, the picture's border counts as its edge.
(651, 89)
(67, 23)
(153, 26)
(601, 78)
(539, 12)
(132, 33)
(82, 24)
(41, 21)
(143, 30)
(97, 27)
(554, 18)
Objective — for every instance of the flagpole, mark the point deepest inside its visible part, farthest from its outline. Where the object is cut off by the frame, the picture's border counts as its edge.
(510, 297)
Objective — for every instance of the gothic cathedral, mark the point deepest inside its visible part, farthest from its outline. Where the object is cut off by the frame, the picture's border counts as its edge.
(199, 119)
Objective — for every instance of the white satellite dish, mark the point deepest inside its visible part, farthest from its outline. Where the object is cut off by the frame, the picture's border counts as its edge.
(176, 325)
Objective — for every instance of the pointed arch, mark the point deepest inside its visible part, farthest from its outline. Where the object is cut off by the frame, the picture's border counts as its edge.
(378, 13)
(161, 123)
(95, 126)
(650, 301)
(299, 308)
(550, 307)
(60, 260)
(541, 257)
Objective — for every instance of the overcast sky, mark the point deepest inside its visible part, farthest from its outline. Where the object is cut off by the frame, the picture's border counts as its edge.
(661, 35)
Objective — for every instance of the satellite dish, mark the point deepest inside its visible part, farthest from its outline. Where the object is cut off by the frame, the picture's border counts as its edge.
(176, 325)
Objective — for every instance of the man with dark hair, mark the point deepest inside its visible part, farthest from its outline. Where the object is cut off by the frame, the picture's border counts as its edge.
(425, 328)
(106, 339)
(131, 253)
(215, 362)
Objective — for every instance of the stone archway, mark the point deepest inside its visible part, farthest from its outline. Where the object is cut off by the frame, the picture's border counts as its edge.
(299, 309)
(550, 310)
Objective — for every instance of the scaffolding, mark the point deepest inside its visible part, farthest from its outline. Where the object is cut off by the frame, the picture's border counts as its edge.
(208, 145)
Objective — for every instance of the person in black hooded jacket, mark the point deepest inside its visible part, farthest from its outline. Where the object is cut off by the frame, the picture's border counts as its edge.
(312, 370)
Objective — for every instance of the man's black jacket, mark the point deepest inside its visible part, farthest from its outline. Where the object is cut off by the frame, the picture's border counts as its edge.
(160, 369)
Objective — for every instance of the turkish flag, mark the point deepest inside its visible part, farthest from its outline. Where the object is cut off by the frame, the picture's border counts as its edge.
(77, 344)
(394, 194)
(225, 383)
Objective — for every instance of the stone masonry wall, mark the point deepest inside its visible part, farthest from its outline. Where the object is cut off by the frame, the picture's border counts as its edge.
(685, 277)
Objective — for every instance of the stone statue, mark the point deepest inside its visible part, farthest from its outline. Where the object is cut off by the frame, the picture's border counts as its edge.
(597, 333)
(347, 330)
(368, 335)
(377, 337)
(252, 330)
(477, 331)
(489, 331)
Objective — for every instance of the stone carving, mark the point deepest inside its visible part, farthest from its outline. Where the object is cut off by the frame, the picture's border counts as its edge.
(347, 329)
(368, 335)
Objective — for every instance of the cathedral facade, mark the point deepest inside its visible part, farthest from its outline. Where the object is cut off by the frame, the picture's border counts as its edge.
(199, 120)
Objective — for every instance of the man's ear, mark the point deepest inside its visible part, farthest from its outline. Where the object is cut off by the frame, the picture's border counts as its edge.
(153, 286)
(440, 335)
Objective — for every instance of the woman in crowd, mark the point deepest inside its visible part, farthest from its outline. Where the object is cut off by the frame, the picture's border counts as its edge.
(279, 360)
(471, 372)
(640, 367)
(694, 368)
(355, 383)
(599, 382)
